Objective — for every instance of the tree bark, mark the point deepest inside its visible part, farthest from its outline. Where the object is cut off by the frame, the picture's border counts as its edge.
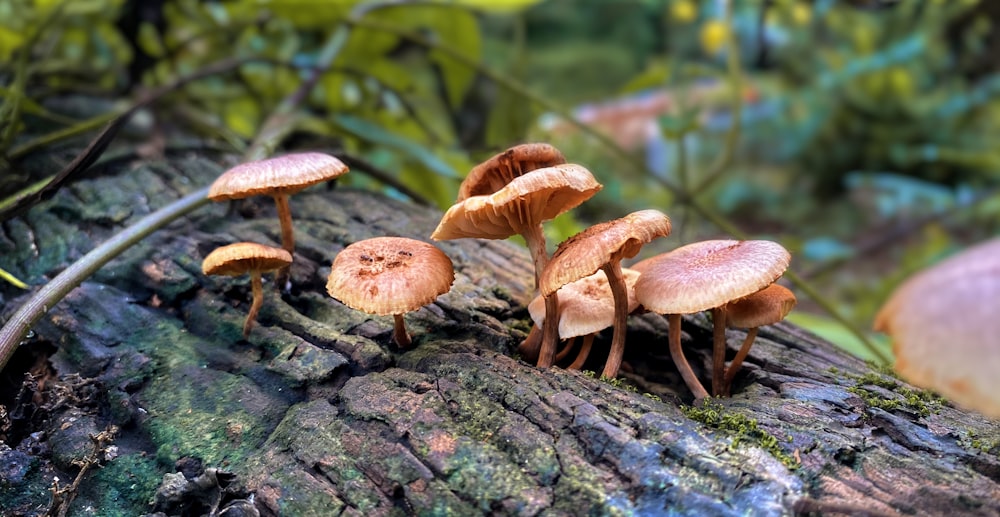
(319, 413)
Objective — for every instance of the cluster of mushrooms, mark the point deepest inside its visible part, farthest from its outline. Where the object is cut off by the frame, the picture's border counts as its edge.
(582, 288)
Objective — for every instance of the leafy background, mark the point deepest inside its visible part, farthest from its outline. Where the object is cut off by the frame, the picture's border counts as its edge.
(864, 139)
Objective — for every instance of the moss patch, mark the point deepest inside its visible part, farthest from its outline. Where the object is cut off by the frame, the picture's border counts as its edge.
(739, 427)
(893, 395)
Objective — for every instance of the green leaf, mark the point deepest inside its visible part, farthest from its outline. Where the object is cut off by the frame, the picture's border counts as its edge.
(494, 6)
(376, 134)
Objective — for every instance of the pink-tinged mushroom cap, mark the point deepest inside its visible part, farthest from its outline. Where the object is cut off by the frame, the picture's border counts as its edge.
(285, 175)
(586, 305)
(945, 328)
(708, 274)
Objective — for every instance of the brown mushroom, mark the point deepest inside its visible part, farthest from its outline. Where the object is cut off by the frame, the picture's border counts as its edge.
(278, 177)
(765, 307)
(493, 174)
(242, 258)
(944, 327)
(390, 275)
(520, 207)
(586, 307)
(706, 276)
(603, 246)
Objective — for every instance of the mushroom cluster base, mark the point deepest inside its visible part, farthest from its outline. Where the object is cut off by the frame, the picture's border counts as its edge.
(316, 414)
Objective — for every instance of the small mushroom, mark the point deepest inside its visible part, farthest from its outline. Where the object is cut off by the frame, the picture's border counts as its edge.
(602, 247)
(706, 276)
(495, 173)
(278, 177)
(242, 258)
(390, 275)
(765, 307)
(586, 307)
(944, 327)
(520, 207)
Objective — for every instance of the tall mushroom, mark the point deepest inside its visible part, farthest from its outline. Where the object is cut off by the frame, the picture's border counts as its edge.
(586, 307)
(520, 207)
(390, 275)
(242, 258)
(944, 328)
(278, 177)
(765, 307)
(603, 246)
(706, 276)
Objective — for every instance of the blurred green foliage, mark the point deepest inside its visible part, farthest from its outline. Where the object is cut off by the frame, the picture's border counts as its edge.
(866, 125)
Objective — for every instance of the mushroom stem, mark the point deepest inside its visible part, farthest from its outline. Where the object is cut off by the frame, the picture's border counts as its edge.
(529, 347)
(287, 237)
(535, 239)
(570, 343)
(718, 349)
(680, 361)
(399, 334)
(581, 357)
(613, 270)
(257, 287)
(285, 218)
(737, 362)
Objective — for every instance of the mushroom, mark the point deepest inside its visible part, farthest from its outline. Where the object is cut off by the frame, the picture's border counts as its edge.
(603, 246)
(765, 307)
(491, 175)
(586, 307)
(278, 177)
(520, 207)
(390, 275)
(701, 276)
(944, 328)
(242, 258)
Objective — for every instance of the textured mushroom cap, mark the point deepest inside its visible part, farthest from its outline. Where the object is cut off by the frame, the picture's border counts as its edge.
(526, 201)
(389, 275)
(765, 307)
(591, 249)
(945, 330)
(704, 275)
(586, 305)
(491, 175)
(242, 257)
(286, 174)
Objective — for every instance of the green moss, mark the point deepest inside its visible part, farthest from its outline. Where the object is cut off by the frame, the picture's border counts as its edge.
(122, 487)
(619, 383)
(739, 427)
(972, 440)
(921, 402)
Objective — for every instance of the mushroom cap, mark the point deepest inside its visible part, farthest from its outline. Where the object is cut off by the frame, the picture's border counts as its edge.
(591, 249)
(242, 257)
(586, 306)
(704, 275)
(765, 307)
(389, 275)
(286, 174)
(526, 201)
(944, 328)
(491, 175)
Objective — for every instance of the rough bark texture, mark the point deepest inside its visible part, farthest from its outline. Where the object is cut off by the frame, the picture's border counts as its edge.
(318, 414)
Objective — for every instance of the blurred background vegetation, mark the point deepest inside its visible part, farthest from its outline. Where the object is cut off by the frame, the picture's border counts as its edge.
(857, 133)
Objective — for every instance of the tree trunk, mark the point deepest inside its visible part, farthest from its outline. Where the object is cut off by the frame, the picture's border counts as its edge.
(317, 413)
